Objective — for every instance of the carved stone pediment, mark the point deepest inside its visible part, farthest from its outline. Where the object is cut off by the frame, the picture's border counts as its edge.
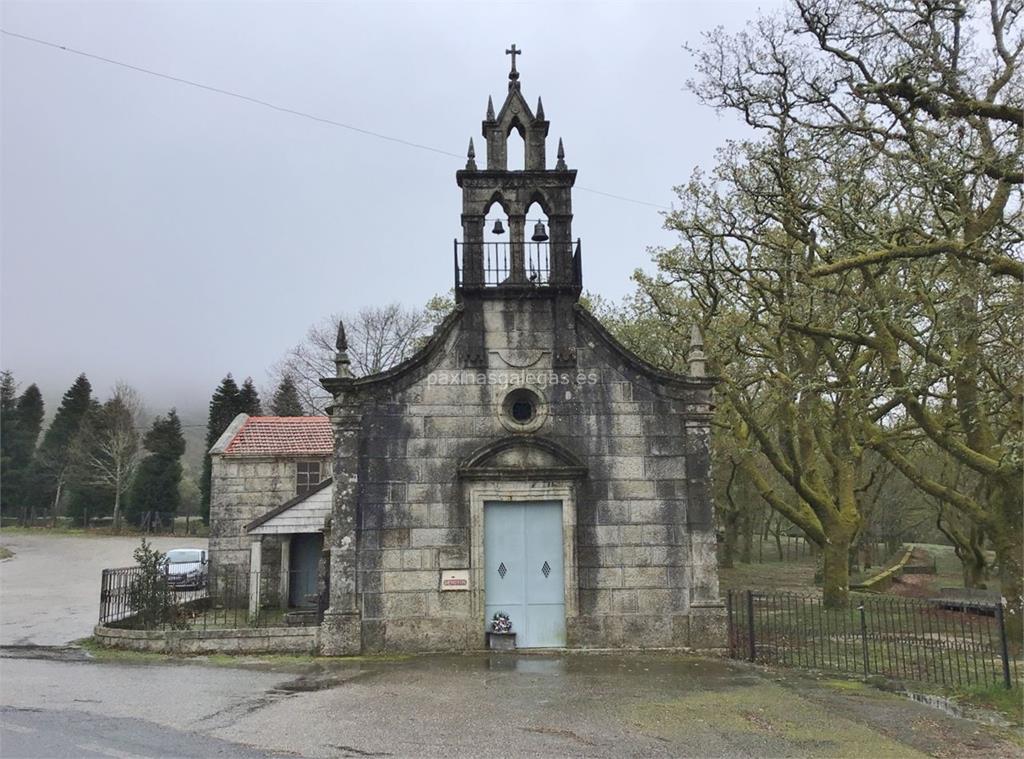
(521, 457)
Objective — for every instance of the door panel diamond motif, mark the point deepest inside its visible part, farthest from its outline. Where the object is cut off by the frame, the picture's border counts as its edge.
(546, 570)
(502, 570)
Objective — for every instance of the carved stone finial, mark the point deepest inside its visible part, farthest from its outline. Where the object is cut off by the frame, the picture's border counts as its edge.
(560, 165)
(471, 156)
(341, 341)
(341, 362)
(696, 357)
(540, 109)
(490, 109)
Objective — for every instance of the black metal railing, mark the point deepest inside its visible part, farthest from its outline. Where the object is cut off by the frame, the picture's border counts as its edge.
(899, 638)
(509, 263)
(131, 598)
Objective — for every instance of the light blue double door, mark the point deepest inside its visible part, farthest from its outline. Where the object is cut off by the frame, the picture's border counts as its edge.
(523, 565)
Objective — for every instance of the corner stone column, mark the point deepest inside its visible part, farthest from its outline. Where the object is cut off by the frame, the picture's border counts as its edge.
(707, 612)
(341, 631)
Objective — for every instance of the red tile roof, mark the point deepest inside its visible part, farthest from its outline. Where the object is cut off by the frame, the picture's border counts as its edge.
(283, 436)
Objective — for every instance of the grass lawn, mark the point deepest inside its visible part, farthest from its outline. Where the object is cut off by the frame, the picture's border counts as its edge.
(796, 574)
(793, 574)
(197, 530)
(949, 573)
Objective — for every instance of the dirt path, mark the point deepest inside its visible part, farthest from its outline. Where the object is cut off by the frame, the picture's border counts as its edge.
(915, 585)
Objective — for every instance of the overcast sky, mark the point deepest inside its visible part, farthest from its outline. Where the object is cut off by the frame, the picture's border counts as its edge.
(164, 234)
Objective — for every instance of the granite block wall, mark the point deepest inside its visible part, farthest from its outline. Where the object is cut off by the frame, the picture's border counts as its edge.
(244, 488)
(644, 540)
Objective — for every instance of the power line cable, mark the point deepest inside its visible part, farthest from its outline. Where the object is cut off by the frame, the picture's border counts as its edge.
(280, 108)
(229, 93)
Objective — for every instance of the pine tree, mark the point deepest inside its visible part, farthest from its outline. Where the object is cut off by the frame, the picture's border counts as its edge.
(8, 423)
(156, 487)
(84, 499)
(22, 438)
(49, 474)
(8, 413)
(249, 399)
(286, 399)
(224, 407)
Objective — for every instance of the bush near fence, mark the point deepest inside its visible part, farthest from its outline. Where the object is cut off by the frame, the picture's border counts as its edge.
(898, 638)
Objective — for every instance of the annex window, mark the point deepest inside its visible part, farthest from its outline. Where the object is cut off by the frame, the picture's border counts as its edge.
(307, 476)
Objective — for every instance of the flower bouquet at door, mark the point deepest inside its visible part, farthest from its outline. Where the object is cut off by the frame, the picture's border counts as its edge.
(501, 623)
(500, 637)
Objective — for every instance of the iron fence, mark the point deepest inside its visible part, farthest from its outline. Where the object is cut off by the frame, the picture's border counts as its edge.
(899, 638)
(131, 598)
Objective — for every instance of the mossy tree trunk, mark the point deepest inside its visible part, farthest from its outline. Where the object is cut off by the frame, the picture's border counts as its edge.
(747, 532)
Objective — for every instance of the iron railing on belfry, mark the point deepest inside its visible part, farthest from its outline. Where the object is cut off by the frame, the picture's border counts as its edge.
(130, 598)
(499, 267)
(898, 638)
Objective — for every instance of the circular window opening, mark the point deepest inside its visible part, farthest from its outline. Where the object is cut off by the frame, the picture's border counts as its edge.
(522, 410)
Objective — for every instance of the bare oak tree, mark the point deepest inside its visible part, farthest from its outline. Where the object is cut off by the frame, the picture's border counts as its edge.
(107, 450)
(858, 261)
(378, 337)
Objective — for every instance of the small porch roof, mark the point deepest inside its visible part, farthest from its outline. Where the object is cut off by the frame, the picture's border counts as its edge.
(302, 514)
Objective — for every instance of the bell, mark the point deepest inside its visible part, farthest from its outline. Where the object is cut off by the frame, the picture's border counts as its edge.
(539, 233)
(499, 228)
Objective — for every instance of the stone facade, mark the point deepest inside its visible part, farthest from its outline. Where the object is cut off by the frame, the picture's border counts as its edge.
(246, 484)
(521, 395)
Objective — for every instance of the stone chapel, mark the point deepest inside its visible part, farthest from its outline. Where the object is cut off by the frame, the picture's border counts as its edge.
(523, 461)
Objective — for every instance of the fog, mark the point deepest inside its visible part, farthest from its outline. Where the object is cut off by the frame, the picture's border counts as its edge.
(165, 234)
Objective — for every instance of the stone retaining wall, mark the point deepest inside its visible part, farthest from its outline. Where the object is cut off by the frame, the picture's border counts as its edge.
(884, 579)
(278, 640)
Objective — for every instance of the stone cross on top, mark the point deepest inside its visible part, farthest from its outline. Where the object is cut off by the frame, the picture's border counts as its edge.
(513, 75)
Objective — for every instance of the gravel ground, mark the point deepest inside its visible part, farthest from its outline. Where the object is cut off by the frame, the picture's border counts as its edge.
(578, 705)
(50, 589)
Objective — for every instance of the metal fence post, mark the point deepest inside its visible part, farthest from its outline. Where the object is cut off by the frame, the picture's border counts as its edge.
(864, 637)
(1004, 649)
(752, 646)
(103, 597)
(730, 629)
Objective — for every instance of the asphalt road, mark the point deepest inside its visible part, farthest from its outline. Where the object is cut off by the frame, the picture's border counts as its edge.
(50, 590)
(74, 734)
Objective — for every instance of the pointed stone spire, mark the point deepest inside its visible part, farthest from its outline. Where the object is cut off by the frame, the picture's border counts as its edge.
(490, 109)
(696, 357)
(540, 109)
(341, 362)
(471, 157)
(560, 165)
